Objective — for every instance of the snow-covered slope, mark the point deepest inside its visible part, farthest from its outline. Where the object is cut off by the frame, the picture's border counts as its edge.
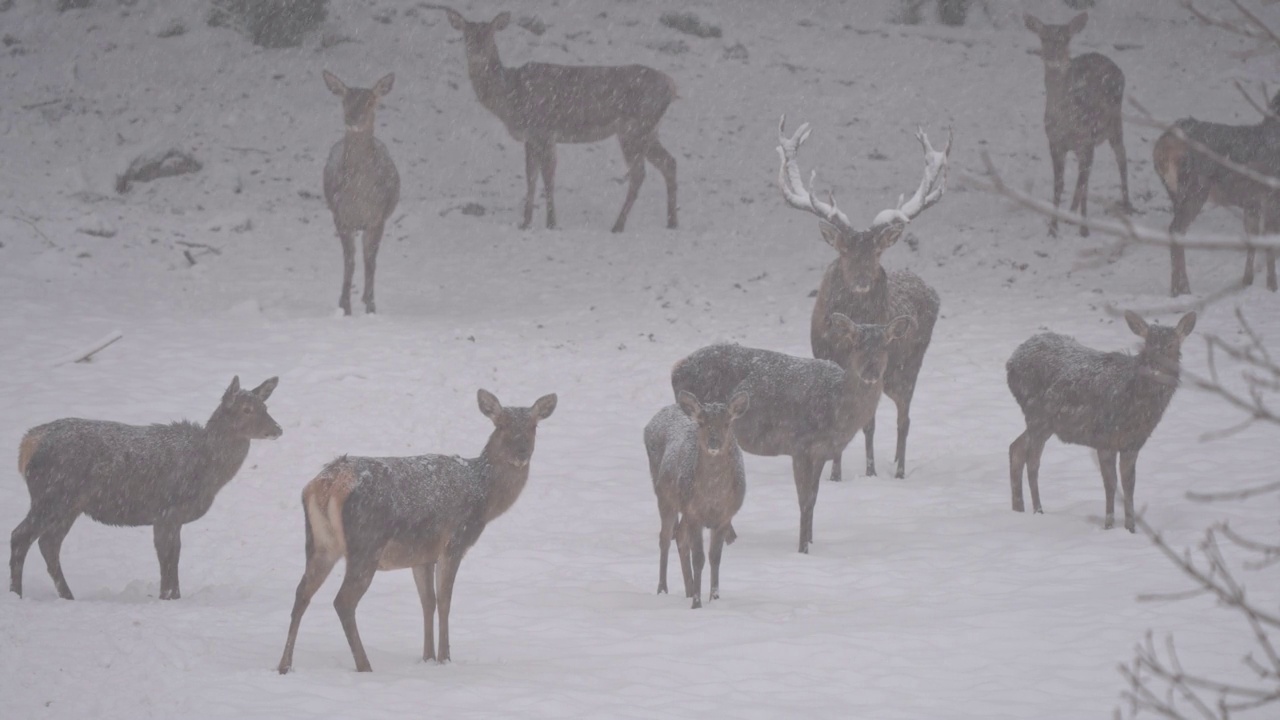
(923, 597)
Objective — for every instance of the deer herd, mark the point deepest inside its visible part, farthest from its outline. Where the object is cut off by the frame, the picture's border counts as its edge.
(870, 331)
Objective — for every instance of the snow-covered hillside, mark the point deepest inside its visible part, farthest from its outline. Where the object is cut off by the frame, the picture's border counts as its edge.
(924, 597)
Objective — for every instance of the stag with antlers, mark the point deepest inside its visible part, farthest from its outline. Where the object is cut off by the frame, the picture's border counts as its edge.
(857, 286)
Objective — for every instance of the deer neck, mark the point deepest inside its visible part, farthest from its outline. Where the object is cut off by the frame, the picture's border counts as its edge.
(358, 145)
(490, 80)
(1055, 80)
(1157, 378)
(219, 451)
(502, 481)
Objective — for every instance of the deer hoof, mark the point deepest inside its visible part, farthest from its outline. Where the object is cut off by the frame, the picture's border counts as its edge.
(284, 669)
(697, 603)
(1084, 231)
(662, 589)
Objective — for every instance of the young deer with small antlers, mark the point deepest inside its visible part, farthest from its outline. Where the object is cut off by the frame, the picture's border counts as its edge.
(420, 512)
(696, 467)
(806, 408)
(1082, 103)
(361, 183)
(857, 286)
(1191, 177)
(542, 105)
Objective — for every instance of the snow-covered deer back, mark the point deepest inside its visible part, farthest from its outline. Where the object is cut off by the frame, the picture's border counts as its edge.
(361, 183)
(542, 105)
(117, 474)
(1108, 401)
(1083, 96)
(1192, 177)
(699, 479)
(420, 512)
(857, 286)
(805, 408)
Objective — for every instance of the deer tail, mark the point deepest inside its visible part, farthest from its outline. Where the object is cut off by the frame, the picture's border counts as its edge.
(323, 499)
(27, 449)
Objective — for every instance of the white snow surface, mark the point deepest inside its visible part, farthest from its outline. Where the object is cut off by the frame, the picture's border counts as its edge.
(924, 597)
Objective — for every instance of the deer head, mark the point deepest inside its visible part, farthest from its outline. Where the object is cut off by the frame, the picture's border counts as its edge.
(860, 249)
(866, 347)
(482, 49)
(359, 104)
(714, 420)
(1162, 346)
(244, 412)
(514, 428)
(1054, 39)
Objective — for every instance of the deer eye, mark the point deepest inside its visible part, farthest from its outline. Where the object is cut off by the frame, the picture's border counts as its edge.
(247, 410)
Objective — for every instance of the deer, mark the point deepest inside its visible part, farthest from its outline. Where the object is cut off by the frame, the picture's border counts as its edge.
(698, 477)
(806, 408)
(1108, 401)
(1192, 176)
(1083, 95)
(164, 476)
(361, 184)
(543, 105)
(857, 286)
(422, 512)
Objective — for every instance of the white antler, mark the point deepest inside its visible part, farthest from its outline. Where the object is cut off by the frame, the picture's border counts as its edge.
(932, 185)
(793, 190)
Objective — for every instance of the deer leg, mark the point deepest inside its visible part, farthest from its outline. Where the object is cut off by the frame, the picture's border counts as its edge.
(904, 427)
(1186, 206)
(424, 577)
(1107, 462)
(1122, 163)
(1035, 446)
(717, 550)
(20, 543)
(168, 541)
(806, 477)
(447, 574)
(1017, 461)
(1058, 157)
(1129, 479)
(359, 575)
(531, 161)
(683, 549)
(51, 538)
(548, 162)
(370, 239)
(319, 565)
(633, 150)
(1080, 199)
(869, 435)
(1252, 228)
(698, 559)
(1271, 270)
(665, 162)
(348, 269)
(669, 516)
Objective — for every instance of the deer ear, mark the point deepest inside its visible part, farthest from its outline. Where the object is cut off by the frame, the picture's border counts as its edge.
(455, 19)
(500, 22)
(1032, 22)
(384, 85)
(830, 233)
(1136, 323)
(489, 404)
(901, 326)
(1077, 23)
(1186, 324)
(336, 86)
(232, 389)
(689, 404)
(544, 406)
(739, 404)
(889, 234)
(267, 387)
(844, 324)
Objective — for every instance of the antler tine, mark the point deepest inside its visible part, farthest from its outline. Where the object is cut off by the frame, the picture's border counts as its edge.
(932, 185)
(789, 179)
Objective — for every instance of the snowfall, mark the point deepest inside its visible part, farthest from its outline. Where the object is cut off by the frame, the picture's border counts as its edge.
(923, 597)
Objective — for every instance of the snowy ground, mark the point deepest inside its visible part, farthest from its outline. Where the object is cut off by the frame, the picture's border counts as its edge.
(923, 598)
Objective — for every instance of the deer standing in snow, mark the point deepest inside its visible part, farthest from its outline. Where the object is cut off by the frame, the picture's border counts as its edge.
(361, 183)
(857, 286)
(1082, 103)
(421, 512)
(1110, 402)
(1192, 177)
(543, 105)
(806, 408)
(129, 475)
(696, 467)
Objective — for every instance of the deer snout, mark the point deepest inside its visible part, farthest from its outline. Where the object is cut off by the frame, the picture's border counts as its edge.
(273, 432)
